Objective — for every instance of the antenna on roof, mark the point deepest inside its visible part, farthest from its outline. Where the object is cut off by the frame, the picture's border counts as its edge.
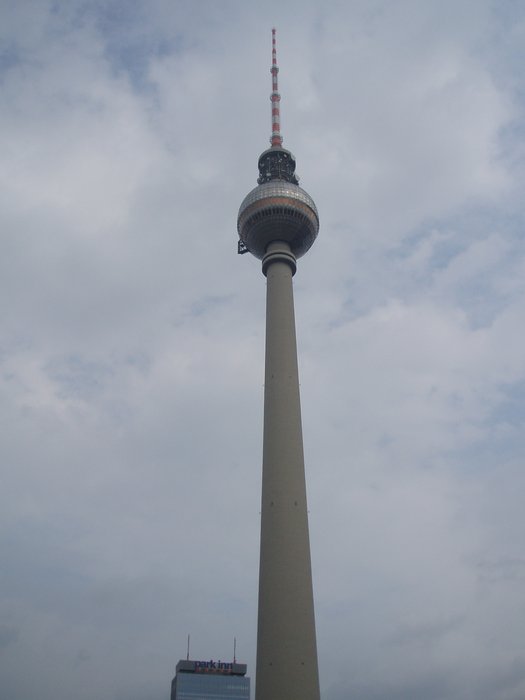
(188, 649)
(276, 139)
(234, 650)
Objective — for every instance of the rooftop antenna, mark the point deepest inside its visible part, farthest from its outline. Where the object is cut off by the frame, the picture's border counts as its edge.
(234, 650)
(276, 139)
(188, 649)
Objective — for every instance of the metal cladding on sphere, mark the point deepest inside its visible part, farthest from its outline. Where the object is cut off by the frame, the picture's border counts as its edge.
(278, 211)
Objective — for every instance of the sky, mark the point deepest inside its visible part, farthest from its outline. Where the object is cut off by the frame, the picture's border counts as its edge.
(132, 340)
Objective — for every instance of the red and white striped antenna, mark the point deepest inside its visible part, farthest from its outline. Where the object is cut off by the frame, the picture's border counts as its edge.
(276, 139)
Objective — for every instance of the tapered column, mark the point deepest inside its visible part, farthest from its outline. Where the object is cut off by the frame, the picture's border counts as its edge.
(286, 643)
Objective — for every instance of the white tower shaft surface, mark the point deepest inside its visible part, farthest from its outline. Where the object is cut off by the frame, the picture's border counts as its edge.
(286, 642)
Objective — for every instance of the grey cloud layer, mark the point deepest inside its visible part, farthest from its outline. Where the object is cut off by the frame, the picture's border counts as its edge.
(132, 338)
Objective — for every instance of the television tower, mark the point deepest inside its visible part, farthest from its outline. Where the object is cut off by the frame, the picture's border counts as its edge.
(278, 222)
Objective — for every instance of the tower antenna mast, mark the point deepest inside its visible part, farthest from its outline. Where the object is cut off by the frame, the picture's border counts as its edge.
(276, 139)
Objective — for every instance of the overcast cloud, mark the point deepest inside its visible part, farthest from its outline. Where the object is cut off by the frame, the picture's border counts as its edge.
(132, 334)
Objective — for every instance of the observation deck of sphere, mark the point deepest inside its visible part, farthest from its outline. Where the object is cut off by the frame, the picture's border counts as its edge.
(278, 211)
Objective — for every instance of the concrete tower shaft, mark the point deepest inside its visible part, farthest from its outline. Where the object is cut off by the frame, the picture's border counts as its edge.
(286, 640)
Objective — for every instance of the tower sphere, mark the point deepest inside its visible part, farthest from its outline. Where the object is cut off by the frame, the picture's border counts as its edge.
(278, 211)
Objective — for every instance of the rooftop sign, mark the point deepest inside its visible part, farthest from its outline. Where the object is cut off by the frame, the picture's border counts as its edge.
(218, 667)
